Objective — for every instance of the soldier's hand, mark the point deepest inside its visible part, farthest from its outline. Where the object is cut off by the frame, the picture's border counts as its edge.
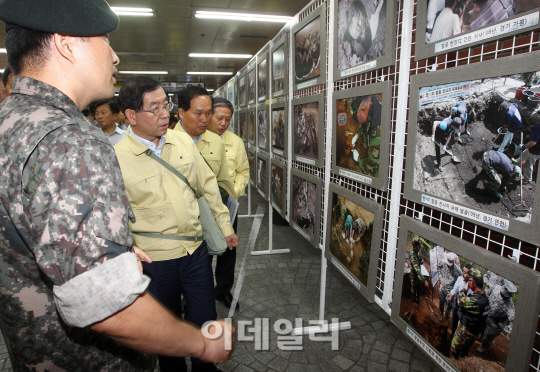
(232, 241)
(218, 341)
(141, 256)
(448, 297)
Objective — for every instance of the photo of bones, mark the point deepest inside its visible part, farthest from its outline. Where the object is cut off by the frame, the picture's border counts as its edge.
(242, 90)
(278, 69)
(276, 185)
(446, 18)
(251, 86)
(477, 143)
(252, 167)
(361, 31)
(261, 175)
(262, 127)
(303, 204)
(358, 134)
(262, 73)
(460, 308)
(307, 55)
(251, 123)
(351, 232)
(306, 130)
(242, 124)
(278, 128)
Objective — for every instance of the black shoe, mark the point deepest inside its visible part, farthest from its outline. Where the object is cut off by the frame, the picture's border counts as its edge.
(227, 300)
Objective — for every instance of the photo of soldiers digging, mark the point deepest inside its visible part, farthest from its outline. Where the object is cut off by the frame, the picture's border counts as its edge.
(458, 307)
(307, 51)
(262, 127)
(278, 69)
(261, 74)
(252, 132)
(304, 204)
(251, 86)
(278, 129)
(306, 130)
(242, 90)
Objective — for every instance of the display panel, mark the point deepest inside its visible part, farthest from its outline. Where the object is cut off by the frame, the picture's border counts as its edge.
(305, 205)
(242, 125)
(361, 134)
(262, 175)
(308, 129)
(252, 128)
(468, 308)
(457, 168)
(252, 159)
(252, 86)
(280, 129)
(280, 69)
(278, 186)
(354, 226)
(242, 91)
(442, 27)
(262, 76)
(365, 36)
(263, 127)
(309, 50)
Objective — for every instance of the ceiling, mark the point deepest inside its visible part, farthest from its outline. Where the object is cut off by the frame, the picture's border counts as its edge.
(163, 42)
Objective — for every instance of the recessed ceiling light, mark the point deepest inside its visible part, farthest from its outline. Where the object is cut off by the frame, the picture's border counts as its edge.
(208, 73)
(218, 55)
(242, 16)
(3, 50)
(140, 12)
(144, 72)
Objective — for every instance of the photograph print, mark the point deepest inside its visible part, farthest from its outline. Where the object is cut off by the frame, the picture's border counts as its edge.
(262, 127)
(353, 237)
(242, 90)
(467, 304)
(262, 175)
(474, 144)
(242, 125)
(278, 187)
(252, 131)
(279, 128)
(251, 86)
(305, 205)
(307, 128)
(262, 77)
(279, 68)
(252, 166)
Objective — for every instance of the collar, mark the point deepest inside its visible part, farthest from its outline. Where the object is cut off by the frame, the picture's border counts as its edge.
(196, 139)
(118, 130)
(139, 145)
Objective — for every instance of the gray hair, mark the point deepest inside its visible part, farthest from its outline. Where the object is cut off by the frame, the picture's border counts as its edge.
(220, 101)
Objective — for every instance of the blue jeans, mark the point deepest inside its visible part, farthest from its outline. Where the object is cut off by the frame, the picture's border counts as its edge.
(192, 277)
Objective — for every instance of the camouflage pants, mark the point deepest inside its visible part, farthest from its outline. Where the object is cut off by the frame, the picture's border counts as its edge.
(494, 180)
(462, 342)
(491, 332)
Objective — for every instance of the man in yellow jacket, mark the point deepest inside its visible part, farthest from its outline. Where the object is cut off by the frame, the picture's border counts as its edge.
(167, 226)
(238, 166)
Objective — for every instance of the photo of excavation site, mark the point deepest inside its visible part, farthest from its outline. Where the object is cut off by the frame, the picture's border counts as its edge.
(351, 232)
(262, 183)
(262, 126)
(277, 183)
(278, 69)
(358, 134)
(252, 133)
(252, 167)
(306, 130)
(278, 129)
(251, 86)
(307, 51)
(469, 140)
(242, 90)
(262, 74)
(461, 309)
(304, 204)
(361, 32)
(242, 123)
(465, 16)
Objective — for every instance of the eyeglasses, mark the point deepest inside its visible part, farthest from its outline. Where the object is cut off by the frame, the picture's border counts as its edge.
(158, 111)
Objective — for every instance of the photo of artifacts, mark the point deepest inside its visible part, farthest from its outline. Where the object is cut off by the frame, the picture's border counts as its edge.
(242, 123)
(242, 90)
(262, 128)
(262, 73)
(278, 69)
(361, 32)
(358, 134)
(446, 18)
(351, 236)
(304, 204)
(306, 130)
(262, 176)
(279, 127)
(251, 126)
(251, 86)
(307, 51)
(252, 167)
(277, 186)
(476, 143)
(460, 308)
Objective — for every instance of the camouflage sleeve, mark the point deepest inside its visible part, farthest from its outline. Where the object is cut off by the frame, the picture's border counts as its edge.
(468, 303)
(417, 271)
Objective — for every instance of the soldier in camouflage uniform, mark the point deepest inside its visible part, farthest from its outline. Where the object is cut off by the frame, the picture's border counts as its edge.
(367, 141)
(472, 313)
(501, 313)
(416, 271)
(68, 274)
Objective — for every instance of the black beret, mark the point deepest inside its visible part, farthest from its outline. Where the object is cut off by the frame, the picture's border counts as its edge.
(69, 17)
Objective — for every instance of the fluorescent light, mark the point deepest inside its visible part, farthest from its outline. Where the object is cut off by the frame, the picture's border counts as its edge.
(171, 94)
(140, 12)
(218, 55)
(210, 90)
(3, 50)
(242, 16)
(1, 71)
(144, 72)
(208, 73)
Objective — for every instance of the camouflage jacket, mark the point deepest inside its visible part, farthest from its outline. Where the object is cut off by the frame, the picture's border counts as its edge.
(473, 310)
(64, 236)
(501, 309)
(416, 270)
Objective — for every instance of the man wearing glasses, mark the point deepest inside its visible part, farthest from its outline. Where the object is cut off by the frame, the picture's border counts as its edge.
(167, 226)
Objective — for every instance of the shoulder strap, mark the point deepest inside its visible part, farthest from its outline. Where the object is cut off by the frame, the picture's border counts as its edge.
(173, 170)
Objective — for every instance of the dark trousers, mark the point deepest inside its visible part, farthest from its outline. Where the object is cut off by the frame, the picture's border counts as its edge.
(190, 276)
(225, 268)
